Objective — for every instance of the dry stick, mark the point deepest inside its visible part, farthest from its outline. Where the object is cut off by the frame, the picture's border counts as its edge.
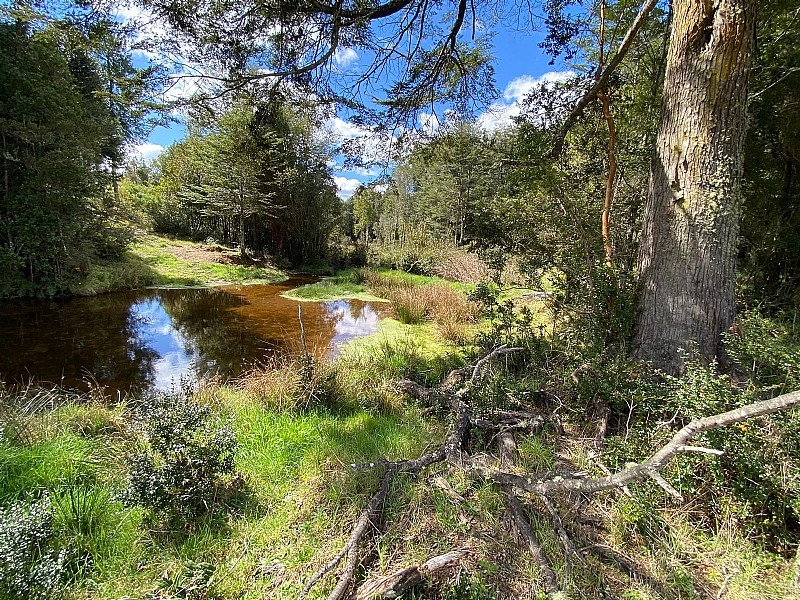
(351, 547)
(303, 332)
(650, 467)
(507, 452)
(450, 450)
(569, 547)
(539, 557)
(395, 584)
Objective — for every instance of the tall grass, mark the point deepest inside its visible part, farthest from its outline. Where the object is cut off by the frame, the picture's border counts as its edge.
(438, 303)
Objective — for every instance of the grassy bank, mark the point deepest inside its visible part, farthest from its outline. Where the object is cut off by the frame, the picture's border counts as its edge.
(360, 284)
(283, 510)
(165, 262)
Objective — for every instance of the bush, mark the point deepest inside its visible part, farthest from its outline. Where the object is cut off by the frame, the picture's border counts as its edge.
(184, 454)
(31, 566)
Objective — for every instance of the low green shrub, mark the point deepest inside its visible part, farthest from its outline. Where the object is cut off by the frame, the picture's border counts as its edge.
(31, 564)
(184, 453)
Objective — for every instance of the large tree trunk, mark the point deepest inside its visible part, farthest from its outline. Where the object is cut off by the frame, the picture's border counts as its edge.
(687, 261)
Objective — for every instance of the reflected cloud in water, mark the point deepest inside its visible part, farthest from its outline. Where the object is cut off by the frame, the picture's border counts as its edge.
(153, 338)
(154, 328)
(351, 321)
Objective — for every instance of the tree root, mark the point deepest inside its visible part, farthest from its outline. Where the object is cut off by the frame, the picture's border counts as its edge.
(542, 485)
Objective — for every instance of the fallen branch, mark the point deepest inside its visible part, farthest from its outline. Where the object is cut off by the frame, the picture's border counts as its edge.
(549, 580)
(351, 547)
(395, 584)
(507, 453)
(569, 547)
(450, 450)
(509, 421)
(652, 466)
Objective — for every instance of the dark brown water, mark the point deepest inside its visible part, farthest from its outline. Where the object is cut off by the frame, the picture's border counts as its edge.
(152, 338)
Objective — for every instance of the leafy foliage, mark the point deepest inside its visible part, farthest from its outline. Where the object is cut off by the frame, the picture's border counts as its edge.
(184, 454)
(31, 565)
(70, 99)
(256, 177)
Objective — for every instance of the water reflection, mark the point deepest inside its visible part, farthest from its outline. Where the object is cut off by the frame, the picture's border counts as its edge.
(151, 338)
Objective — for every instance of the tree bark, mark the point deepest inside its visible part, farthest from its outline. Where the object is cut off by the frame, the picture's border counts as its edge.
(687, 259)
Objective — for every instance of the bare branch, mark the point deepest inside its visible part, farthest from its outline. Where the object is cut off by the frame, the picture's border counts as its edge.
(549, 580)
(394, 584)
(602, 80)
(677, 445)
(351, 547)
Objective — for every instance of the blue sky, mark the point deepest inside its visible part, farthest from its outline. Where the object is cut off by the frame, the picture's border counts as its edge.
(519, 66)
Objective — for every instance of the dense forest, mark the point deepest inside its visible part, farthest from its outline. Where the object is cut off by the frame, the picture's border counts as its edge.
(586, 388)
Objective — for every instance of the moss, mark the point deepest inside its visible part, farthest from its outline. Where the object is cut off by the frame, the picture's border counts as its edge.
(332, 289)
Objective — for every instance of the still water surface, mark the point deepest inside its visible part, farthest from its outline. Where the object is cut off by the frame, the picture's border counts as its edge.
(152, 338)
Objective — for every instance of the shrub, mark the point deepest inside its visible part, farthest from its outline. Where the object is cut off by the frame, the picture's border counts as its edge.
(457, 264)
(31, 566)
(184, 454)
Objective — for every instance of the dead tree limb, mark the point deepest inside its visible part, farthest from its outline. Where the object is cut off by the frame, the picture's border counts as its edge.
(507, 453)
(602, 80)
(549, 579)
(455, 377)
(451, 450)
(350, 549)
(566, 541)
(652, 466)
(395, 584)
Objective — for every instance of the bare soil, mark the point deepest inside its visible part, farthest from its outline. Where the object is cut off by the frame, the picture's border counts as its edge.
(209, 254)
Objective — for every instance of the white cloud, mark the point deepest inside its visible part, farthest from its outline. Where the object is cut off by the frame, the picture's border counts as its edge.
(182, 86)
(346, 130)
(365, 172)
(500, 114)
(147, 151)
(429, 123)
(346, 186)
(345, 58)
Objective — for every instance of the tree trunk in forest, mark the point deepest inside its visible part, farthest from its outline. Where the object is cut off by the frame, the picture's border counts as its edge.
(687, 259)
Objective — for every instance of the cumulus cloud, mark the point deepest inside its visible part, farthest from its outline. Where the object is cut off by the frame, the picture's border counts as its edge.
(346, 186)
(345, 130)
(344, 58)
(429, 123)
(147, 151)
(501, 113)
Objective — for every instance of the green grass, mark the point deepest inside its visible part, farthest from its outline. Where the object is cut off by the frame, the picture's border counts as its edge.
(172, 271)
(298, 503)
(301, 496)
(332, 289)
(149, 263)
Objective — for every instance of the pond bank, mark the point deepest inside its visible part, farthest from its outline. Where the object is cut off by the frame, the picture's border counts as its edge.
(164, 262)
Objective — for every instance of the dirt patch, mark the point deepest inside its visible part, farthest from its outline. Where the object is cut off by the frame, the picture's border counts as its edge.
(209, 254)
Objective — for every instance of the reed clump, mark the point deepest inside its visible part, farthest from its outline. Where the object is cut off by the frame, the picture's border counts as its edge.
(438, 303)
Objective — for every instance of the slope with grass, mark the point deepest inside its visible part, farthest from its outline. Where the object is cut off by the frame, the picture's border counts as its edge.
(166, 262)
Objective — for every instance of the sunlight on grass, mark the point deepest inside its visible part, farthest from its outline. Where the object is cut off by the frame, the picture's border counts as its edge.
(171, 270)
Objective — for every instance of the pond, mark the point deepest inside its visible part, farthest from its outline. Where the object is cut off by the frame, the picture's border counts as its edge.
(150, 339)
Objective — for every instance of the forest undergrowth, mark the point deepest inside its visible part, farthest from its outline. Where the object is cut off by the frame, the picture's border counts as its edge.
(248, 488)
